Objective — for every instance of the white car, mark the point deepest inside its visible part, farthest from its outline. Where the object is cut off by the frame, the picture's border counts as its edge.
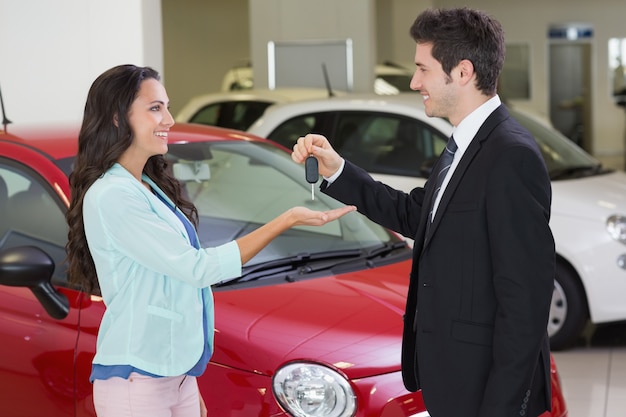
(239, 109)
(390, 79)
(393, 139)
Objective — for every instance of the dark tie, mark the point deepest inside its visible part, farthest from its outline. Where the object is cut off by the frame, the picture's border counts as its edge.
(445, 160)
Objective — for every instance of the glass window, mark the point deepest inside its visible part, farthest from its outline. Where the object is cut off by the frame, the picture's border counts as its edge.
(617, 65)
(387, 143)
(560, 154)
(287, 134)
(30, 214)
(230, 114)
(237, 187)
(381, 143)
(402, 83)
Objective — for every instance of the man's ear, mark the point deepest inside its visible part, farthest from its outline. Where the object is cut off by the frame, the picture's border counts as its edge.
(466, 71)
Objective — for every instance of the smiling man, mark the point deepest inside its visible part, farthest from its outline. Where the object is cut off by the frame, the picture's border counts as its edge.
(475, 339)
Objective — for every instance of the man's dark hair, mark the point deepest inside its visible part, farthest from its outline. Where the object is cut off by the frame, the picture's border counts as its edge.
(463, 33)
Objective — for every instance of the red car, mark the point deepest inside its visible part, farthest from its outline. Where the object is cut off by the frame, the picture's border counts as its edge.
(311, 328)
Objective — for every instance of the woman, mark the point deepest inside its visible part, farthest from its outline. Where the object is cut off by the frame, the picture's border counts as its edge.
(133, 234)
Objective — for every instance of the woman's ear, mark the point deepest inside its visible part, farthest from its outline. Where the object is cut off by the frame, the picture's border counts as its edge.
(115, 121)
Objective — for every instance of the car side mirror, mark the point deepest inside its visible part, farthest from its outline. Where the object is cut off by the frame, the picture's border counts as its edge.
(31, 267)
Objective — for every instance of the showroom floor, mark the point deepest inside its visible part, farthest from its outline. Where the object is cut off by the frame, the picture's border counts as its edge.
(593, 373)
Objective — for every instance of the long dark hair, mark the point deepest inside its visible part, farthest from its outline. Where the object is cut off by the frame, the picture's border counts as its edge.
(458, 34)
(104, 135)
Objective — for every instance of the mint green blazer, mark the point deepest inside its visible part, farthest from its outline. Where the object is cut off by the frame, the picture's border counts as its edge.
(151, 278)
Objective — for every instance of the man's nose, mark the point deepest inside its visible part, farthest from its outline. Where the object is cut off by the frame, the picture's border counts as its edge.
(416, 82)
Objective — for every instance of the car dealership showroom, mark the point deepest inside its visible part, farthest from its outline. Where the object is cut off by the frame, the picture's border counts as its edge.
(313, 325)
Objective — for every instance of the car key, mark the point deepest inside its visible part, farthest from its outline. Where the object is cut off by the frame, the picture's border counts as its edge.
(311, 173)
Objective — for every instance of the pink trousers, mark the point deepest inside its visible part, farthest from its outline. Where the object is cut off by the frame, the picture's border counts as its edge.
(144, 396)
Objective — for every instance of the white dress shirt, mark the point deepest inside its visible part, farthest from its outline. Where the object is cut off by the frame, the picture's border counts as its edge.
(463, 135)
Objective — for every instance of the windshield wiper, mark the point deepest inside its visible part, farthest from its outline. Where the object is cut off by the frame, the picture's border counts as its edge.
(577, 171)
(307, 263)
(290, 263)
(374, 257)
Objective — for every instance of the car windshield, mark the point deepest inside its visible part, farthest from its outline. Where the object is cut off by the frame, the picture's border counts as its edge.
(563, 157)
(400, 81)
(239, 186)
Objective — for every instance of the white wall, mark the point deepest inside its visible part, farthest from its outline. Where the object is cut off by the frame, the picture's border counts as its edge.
(202, 40)
(394, 18)
(304, 20)
(51, 51)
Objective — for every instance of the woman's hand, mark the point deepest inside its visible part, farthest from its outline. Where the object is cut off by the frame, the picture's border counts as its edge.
(255, 241)
(302, 216)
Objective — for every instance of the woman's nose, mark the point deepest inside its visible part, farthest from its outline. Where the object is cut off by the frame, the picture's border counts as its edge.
(168, 119)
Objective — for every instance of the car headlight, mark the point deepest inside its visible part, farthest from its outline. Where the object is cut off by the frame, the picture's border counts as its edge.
(312, 390)
(616, 226)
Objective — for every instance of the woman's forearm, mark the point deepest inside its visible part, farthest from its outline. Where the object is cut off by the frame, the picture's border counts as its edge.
(252, 243)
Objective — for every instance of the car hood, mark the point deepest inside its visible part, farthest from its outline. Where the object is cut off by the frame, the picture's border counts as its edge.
(594, 197)
(350, 321)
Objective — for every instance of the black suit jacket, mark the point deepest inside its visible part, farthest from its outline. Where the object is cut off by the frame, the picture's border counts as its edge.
(475, 337)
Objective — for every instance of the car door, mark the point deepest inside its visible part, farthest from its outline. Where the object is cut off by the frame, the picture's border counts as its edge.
(39, 372)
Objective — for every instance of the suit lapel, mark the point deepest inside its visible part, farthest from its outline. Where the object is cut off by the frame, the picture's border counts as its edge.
(483, 133)
(454, 182)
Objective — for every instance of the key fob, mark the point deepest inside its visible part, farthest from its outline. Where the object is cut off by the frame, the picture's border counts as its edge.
(311, 170)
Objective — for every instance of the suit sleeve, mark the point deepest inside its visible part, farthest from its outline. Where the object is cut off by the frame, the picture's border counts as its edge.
(391, 208)
(522, 247)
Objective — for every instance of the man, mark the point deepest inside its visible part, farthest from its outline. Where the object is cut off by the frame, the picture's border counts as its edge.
(475, 337)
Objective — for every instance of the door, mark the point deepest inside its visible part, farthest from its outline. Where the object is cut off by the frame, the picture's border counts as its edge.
(570, 90)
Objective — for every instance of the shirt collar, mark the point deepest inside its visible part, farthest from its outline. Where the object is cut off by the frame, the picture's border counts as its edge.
(467, 129)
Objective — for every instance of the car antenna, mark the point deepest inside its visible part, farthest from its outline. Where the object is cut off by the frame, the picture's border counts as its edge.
(5, 121)
(327, 81)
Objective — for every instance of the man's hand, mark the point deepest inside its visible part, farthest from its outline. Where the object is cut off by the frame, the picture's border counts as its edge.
(328, 159)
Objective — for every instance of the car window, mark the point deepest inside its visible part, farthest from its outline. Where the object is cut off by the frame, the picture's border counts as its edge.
(230, 114)
(381, 143)
(30, 214)
(559, 152)
(386, 143)
(401, 82)
(289, 131)
(237, 187)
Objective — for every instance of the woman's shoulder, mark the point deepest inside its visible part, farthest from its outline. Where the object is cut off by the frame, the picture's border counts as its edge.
(113, 184)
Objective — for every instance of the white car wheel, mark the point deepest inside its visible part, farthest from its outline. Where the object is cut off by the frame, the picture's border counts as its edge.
(558, 310)
(568, 310)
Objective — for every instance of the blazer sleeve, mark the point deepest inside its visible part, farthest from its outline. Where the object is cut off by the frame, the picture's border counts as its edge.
(391, 208)
(523, 256)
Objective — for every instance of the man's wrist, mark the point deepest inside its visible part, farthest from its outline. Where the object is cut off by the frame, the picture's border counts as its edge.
(337, 173)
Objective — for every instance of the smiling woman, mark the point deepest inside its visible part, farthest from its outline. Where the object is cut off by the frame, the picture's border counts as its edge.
(133, 235)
